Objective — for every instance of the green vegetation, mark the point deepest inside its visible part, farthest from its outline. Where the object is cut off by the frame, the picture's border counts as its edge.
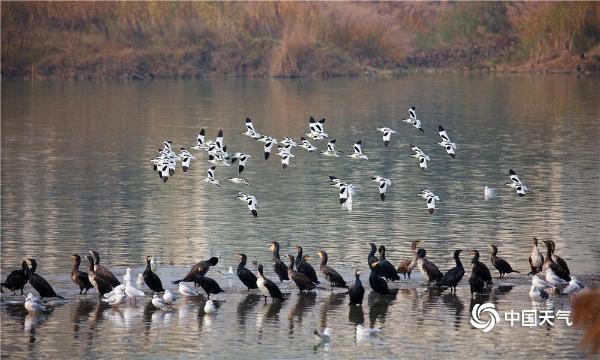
(189, 39)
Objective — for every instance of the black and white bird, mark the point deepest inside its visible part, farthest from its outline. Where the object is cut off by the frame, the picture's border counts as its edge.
(330, 152)
(218, 160)
(285, 153)
(186, 158)
(412, 119)
(250, 201)
(165, 162)
(358, 151)
(346, 190)
(200, 142)
(383, 183)
(446, 143)
(431, 198)
(421, 156)
(307, 145)
(288, 142)
(238, 181)
(316, 129)
(268, 147)
(250, 132)
(387, 134)
(516, 183)
(243, 158)
(210, 177)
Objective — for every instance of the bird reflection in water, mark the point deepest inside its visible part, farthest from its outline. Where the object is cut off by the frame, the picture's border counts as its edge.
(328, 304)
(356, 315)
(304, 302)
(245, 306)
(81, 312)
(34, 321)
(270, 313)
(379, 304)
(454, 303)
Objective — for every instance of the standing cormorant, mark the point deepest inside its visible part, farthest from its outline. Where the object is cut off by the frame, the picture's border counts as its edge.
(476, 283)
(428, 269)
(40, 284)
(210, 286)
(536, 259)
(405, 267)
(481, 269)
(304, 267)
(80, 278)
(278, 266)
(454, 275)
(199, 269)
(246, 276)
(551, 264)
(103, 271)
(17, 279)
(334, 278)
(356, 291)
(266, 286)
(500, 264)
(98, 282)
(560, 261)
(371, 258)
(378, 284)
(302, 281)
(150, 278)
(387, 269)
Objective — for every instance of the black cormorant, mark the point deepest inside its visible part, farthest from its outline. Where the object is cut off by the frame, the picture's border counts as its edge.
(17, 279)
(428, 269)
(500, 264)
(304, 267)
(481, 269)
(210, 286)
(79, 278)
(536, 259)
(387, 270)
(356, 291)
(103, 271)
(302, 281)
(454, 275)
(278, 266)
(246, 276)
(266, 286)
(560, 261)
(150, 278)
(476, 283)
(551, 264)
(378, 284)
(199, 269)
(40, 284)
(334, 278)
(97, 281)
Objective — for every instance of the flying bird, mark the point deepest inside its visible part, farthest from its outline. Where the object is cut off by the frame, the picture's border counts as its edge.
(210, 177)
(384, 183)
(446, 143)
(358, 151)
(431, 198)
(387, 134)
(516, 183)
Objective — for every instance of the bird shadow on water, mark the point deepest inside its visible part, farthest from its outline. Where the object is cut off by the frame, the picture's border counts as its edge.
(378, 306)
(269, 312)
(454, 303)
(356, 315)
(304, 302)
(245, 306)
(334, 300)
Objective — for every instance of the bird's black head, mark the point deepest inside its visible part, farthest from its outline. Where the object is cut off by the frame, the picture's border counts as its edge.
(535, 241)
(90, 259)
(96, 256)
(213, 261)
(373, 246)
(260, 268)
(381, 249)
(75, 258)
(413, 108)
(421, 253)
(242, 256)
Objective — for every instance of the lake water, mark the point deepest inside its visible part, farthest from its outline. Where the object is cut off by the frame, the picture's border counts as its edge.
(76, 175)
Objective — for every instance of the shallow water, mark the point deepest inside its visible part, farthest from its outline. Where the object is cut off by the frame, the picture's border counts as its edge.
(75, 176)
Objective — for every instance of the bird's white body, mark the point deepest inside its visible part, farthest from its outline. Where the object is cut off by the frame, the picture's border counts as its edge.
(238, 181)
(358, 154)
(383, 183)
(133, 292)
(305, 144)
(140, 281)
(210, 177)
(537, 294)
(431, 198)
(387, 134)
(169, 297)
(157, 302)
(33, 304)
(127, 276)
(323, 337)
(574, 286)
(330, 152)
(554, 279)
(186, 291)
(540, 283)
(209, 307)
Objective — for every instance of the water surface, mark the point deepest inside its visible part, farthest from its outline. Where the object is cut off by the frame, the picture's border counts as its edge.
(76, 176)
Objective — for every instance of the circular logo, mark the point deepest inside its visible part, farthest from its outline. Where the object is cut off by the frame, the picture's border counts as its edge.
(487, 308)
